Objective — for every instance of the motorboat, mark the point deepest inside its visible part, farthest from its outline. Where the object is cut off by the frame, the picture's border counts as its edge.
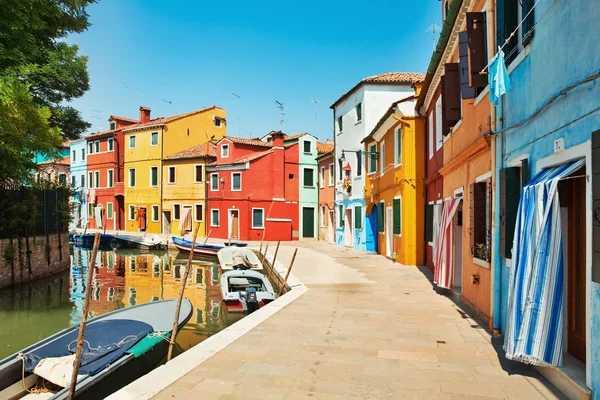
(185, 246)
(225, 256)
(246, 290)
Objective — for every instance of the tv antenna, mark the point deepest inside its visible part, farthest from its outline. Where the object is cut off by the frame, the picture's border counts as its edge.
(239, 117)
(170, 104)
(281, 114)
(315, 101)
(433, 28)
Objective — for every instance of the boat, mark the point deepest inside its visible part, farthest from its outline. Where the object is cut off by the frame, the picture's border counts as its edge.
(246, 290)
(185, 246)
(87, 240)
(225, 256)
(119, 347)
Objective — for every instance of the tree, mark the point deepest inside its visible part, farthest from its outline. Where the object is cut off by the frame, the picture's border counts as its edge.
(39, 74)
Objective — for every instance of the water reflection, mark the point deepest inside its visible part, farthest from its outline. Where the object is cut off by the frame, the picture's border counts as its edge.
(123, 278)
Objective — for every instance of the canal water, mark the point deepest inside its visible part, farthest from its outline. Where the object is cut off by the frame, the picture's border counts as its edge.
(123, 278)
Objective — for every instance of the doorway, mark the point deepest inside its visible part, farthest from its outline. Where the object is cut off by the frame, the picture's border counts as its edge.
(141, 219)
(166, 222)
(389, 237)
(234, 224)
(330, 229)
(348, 228)
(458, 249)
(308, 222)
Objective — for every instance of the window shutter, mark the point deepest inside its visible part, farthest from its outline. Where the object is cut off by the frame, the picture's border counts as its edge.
(358, 217)
(596, 206)
(478, 215)
(528, 21)
(524, 172)
(380, 222)
(429, 223)
(472, 218)
(511, 21)
(340, 169)
(359, 163)
(397, 217)
(510, 190)
(445, 125)
(466, 91)
(452, 98)
(477, 44)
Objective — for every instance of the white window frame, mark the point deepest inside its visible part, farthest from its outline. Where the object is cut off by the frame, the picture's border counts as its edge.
(157, 139)
(322, 177)
(262, 218)
(223, 148)
(313, 180)
(129, 178)
(382, 157)
(309, 147)
(430, 133)
(173, 211)
(110, 145)
(169, 174)
(331, 175)
(212, 210)
(201, 215)
(322, 216)
(439, 139)
(131, 206)
(372, 161)
(150, 180)
(110, 184)
(236, 173)
(211, 182)
(112, 209)
(129, 142)
(398, 144)
(157, 208)
(196, 173)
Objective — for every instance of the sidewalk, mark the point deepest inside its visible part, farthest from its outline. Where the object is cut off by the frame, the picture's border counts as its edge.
(366, 329)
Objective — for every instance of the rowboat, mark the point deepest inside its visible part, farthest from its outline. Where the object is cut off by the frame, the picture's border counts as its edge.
(225, 256)
(119, 347)
(246, 290)
(87, 240)
(185, 246)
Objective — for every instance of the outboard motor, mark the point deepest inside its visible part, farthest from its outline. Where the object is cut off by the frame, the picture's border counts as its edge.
(251, 300)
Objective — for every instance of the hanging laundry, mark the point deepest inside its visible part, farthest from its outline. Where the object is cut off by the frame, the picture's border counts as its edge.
(498, 78)
(186, 221)
(98, 215)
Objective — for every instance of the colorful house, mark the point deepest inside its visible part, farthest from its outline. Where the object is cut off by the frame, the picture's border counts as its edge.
(394, 182)
(240, 204)
(57, 170)
(454, 102)
(355, 114)
(78, 173)
(547, 121)
(61, 152)
(325, 164)
(146, 144)
(105, 175)
(184, 189)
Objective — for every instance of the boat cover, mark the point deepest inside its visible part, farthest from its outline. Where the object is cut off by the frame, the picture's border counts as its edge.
(104, 342)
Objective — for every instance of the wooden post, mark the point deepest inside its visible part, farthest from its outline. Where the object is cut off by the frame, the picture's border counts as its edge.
(104, 220)
(207, 236)
(287, 275)
(181, 290)
(86, 309)
(274, 259)
(264, 257)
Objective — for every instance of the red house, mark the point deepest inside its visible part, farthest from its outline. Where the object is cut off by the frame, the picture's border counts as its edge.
(253, 189)
(105, 174)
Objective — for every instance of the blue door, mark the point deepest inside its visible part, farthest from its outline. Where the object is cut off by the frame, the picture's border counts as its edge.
(371, 230)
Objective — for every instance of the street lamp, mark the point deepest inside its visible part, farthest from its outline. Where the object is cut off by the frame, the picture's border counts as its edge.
(371, 154)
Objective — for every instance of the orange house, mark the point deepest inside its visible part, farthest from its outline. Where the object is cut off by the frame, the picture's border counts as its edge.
(326, 161)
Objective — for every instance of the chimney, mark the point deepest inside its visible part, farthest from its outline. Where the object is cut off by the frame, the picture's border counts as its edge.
(277, 139)
(144, 114)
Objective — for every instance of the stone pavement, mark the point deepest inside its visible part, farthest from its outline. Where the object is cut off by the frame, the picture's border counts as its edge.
(366, 329)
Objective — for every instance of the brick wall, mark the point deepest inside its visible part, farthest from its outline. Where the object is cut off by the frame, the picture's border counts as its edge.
(27, 259)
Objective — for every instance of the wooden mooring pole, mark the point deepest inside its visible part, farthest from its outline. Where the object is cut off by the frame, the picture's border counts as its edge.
(287, 275)
(86, 309)
(181, 290)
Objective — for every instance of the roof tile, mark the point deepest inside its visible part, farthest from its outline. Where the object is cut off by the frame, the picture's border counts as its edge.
(203, 150)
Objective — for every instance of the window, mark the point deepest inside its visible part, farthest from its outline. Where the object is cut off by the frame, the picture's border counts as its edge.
(131, 177)
(153, 176)
(110, 178)
(198, 173)
(91, 179)
(214, 182)
(97, 179)
(480, 224)
(339, 124)
(323, 217)
(132, 212)
(111, 144)
(154, 139)
(72, 180)
(359, 167)
(429, 223)
(511, 183)
(372, 160)
(397, 213)
(380, 218)
(113, 125)
(358, 109)
(358, 217)
(132, 142)
(438, 123)
(82, 154)
(330, 174)
(109, 210)
(214, 217)
(97, 146)
(398, 145)
(340, 216)
(155, 213)
(236, 181)
(225, 151)
(430, 131)
(90, 148)
(217, 122)
(82, 180)
(176, 212)
(90, 210)
(307, 146)
(309, 179)
(198, 213)
(322, 178)
(258, 218)
(382, 157)
(171, 174)
(74, 156)
(340, 172)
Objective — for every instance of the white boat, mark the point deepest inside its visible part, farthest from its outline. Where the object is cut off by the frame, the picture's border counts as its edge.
(246, 290)
(225, 256)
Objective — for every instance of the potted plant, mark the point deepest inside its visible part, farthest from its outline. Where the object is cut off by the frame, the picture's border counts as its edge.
(347, 185)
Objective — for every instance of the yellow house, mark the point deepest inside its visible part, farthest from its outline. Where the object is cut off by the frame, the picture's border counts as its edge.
(146, 145)
(184, 187)
(394, 183)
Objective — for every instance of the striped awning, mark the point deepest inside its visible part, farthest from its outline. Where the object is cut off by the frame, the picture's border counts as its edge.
(443, 261)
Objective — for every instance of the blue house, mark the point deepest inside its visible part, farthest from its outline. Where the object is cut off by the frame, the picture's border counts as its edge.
(78, 176)
(549, 122)
(63, 151)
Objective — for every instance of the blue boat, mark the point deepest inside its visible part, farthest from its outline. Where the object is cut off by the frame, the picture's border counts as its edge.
(87, 240)
(185, 246)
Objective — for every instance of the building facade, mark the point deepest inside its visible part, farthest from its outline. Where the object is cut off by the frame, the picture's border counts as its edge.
(57, 170)
(325, 162)
(355, 114)
(394, 182)
(78, 187)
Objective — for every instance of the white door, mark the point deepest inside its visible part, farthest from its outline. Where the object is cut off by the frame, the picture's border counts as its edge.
(348, 228)
(389, 237)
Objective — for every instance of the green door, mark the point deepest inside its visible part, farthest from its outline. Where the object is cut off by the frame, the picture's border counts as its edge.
(308, 222)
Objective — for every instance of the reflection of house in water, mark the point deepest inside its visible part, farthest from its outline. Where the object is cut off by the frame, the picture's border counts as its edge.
(108, 285)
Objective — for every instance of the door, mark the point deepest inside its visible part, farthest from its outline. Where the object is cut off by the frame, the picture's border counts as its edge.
(166, 222)
(458, 248)
(389, 236)
(234, 224)
(308, 222)
(348, 228)
(576, 286)
(141, 219)
(330, 229)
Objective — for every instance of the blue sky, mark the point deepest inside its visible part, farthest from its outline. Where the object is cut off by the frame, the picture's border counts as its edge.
(197, 53)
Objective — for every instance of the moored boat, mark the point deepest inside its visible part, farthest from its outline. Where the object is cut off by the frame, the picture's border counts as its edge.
(185, 246)
(225, 256)
(246, 290)
(119, 347)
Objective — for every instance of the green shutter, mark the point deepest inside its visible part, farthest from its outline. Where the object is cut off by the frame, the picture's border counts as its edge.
(397, 217)
(341, 215)
(429, 223)
(380, 222)
(358, 217)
